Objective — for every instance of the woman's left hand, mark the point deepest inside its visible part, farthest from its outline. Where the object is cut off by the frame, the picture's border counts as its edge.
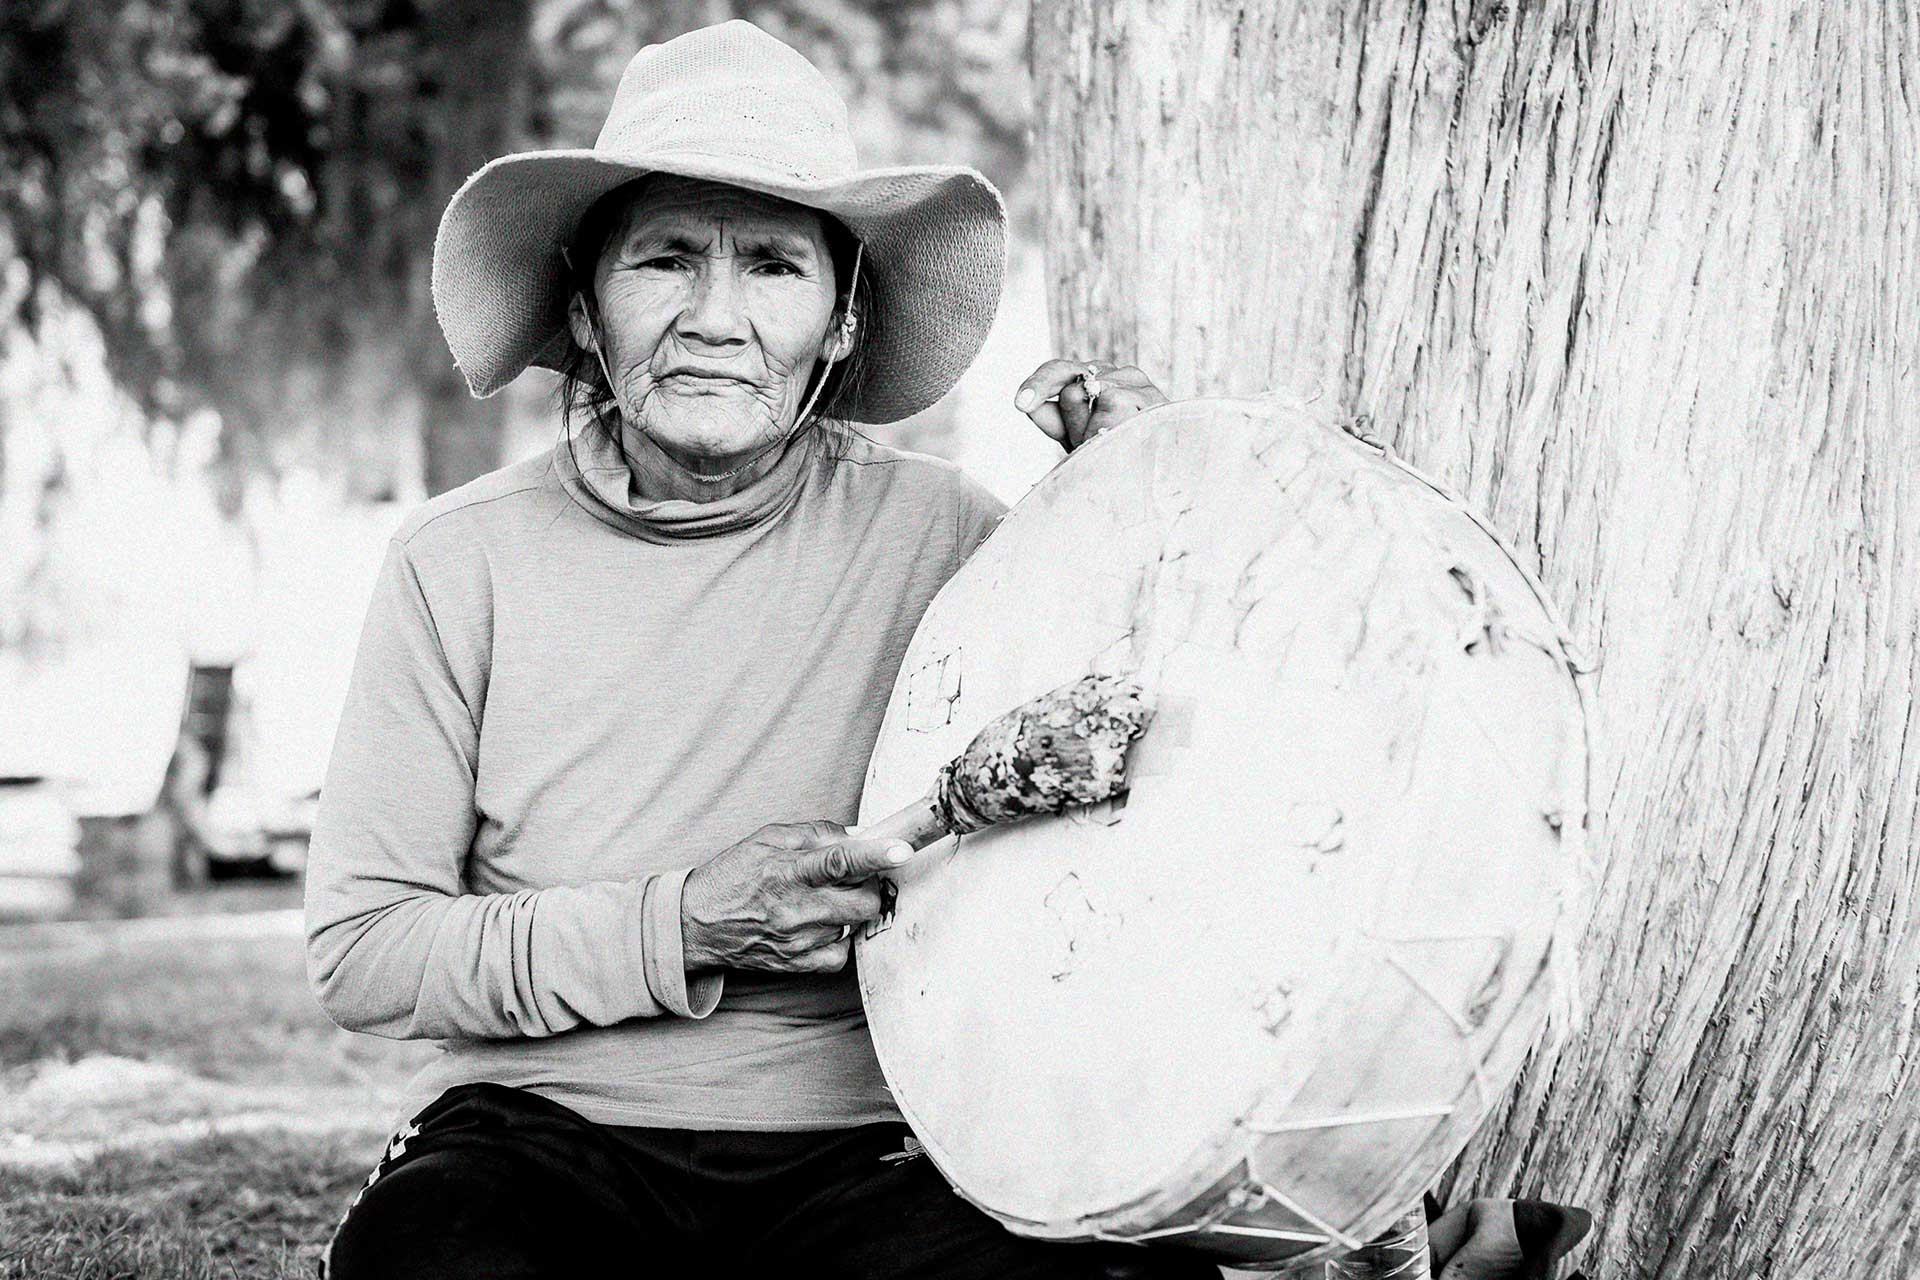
(1056, 397)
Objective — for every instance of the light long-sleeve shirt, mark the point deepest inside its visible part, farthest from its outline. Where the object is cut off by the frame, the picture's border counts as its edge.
(565, 698)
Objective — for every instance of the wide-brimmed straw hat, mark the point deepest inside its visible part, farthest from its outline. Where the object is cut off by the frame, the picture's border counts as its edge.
(729, 103)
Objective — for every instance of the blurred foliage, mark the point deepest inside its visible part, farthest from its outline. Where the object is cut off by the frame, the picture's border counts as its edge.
(242, 194)
(926, 81)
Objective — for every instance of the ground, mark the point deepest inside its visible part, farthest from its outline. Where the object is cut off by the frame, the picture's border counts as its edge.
(174, 1105)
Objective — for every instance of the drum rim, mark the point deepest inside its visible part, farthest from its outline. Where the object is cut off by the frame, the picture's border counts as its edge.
(1192, 1176)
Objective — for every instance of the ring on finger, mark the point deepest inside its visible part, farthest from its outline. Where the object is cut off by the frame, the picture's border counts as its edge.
(1090, 382)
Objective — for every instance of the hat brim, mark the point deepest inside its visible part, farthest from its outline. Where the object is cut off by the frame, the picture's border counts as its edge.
(934, 260)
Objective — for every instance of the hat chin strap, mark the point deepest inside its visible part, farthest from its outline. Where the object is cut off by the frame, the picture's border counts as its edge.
(799, 420)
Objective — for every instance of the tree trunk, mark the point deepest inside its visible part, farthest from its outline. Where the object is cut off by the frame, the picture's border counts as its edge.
(460, 437)
(1640, 280)
(478, 60)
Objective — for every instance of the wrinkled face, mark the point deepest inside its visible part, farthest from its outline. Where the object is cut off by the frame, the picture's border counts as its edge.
(715, 304)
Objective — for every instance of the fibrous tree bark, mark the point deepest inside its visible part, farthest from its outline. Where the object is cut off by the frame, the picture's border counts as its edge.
(1641, 281)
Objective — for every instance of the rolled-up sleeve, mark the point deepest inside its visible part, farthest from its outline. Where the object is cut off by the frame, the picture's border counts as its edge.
(394, 946)
(661, 950)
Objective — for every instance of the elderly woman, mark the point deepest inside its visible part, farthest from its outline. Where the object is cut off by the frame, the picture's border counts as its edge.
(612, 705)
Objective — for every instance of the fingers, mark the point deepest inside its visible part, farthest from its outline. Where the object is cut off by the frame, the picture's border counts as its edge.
(1075, 409)
(1548, 1230)
(850, 860)
(1498, 1239)
(1446, 1233)
(800, 835)
(1055, 397)
(848, 906)
(1056, 400)
(828, 958)
(1046, 416)
(1054, 377)
(1115, 406)
(1491, 1249)
(1045, 383)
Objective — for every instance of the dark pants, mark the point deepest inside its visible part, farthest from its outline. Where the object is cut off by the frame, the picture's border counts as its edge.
(492, 1181)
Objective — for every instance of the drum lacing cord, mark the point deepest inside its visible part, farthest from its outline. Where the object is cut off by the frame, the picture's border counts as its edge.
(1253, 1191)
(1256, 1189)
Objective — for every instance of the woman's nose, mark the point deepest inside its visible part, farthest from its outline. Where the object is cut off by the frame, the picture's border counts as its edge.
(714, 313)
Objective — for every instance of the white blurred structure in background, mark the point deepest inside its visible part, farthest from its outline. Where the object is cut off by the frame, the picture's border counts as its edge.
(170, 678)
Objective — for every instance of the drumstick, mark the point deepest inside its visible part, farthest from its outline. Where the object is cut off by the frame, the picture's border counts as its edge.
(1064, 748)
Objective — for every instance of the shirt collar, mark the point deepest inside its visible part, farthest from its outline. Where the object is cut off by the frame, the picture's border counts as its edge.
(596, 474)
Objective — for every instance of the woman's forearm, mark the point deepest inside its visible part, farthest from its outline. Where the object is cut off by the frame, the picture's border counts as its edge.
(395, 944)
(418, 963)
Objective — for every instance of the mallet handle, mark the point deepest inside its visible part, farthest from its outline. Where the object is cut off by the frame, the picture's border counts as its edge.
(918, 824)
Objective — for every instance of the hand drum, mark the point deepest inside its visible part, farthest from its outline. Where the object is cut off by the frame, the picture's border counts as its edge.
(1258, 1004)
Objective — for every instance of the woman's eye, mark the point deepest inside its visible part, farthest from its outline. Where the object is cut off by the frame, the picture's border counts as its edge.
(774, 266)
(666, 262)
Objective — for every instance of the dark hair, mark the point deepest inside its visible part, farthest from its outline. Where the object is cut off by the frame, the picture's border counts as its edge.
(583, 386)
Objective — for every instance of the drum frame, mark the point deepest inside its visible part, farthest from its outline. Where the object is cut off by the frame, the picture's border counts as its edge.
(1230, 1207)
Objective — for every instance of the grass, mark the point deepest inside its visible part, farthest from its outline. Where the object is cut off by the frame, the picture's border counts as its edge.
(227, 1009)
(194, 1031)
(242, 1205)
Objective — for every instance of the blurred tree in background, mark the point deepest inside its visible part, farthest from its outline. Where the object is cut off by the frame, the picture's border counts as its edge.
(241, 195)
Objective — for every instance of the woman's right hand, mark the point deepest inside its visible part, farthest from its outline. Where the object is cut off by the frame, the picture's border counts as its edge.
(785, 898)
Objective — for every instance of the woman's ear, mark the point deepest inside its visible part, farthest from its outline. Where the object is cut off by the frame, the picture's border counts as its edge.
(580, 325)
(839, 342)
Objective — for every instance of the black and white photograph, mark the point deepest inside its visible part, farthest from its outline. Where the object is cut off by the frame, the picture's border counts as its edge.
(960, 639)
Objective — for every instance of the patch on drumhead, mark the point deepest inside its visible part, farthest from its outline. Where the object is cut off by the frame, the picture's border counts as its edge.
(1165, 741)
(1101, 813)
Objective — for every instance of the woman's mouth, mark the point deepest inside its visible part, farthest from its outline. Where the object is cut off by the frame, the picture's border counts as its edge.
(691, 380)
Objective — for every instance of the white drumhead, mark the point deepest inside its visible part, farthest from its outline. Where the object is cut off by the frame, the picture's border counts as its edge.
(1331, 891)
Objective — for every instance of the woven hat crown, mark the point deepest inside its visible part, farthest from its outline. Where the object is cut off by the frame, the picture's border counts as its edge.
(731, 91)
